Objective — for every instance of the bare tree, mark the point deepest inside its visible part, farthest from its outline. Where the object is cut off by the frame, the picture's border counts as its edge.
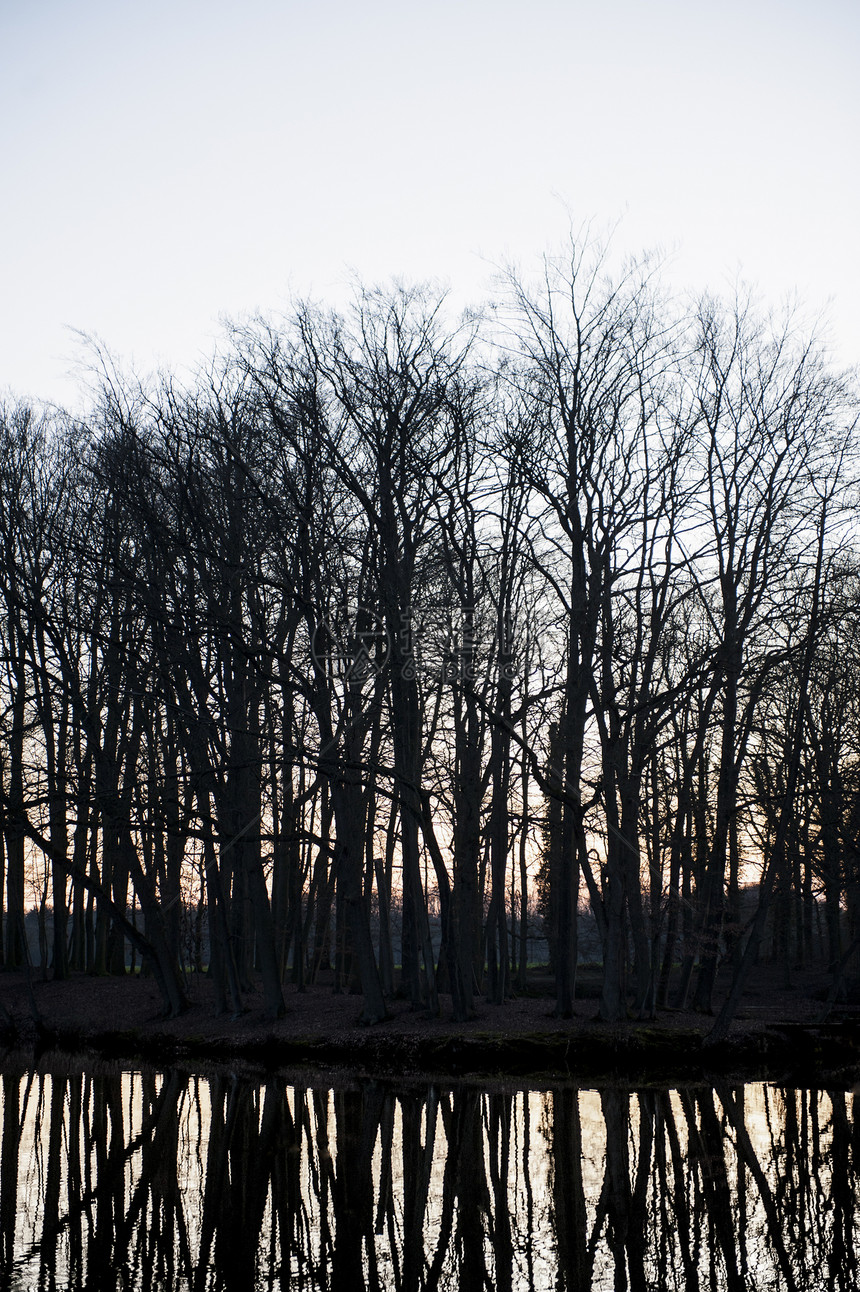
(763, 407)
(594, 350)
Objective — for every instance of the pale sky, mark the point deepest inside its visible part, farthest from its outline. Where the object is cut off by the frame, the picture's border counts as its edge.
(168, 162)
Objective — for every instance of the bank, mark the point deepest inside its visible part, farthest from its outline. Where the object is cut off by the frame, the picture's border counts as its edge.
(786, 1033)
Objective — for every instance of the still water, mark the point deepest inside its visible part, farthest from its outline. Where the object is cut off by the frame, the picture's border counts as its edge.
(153, 1180)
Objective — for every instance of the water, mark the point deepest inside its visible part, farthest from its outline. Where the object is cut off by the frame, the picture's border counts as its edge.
(112, 1178)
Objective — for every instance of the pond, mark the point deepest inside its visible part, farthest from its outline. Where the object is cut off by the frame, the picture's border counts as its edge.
(113, 1178)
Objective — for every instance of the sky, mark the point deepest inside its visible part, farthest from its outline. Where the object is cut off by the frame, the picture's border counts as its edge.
(167, 164)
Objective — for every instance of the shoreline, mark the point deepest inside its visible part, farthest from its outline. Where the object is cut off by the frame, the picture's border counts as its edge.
(778, 1036)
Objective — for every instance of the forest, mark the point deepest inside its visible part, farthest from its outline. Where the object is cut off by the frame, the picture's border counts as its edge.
(392, 640)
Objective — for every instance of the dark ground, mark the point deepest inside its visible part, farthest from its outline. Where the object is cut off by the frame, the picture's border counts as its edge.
(781, 1032)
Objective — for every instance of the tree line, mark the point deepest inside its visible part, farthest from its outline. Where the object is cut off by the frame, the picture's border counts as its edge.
(385, 613)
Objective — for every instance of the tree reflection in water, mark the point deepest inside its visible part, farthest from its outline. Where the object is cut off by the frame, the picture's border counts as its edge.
(145, 1181)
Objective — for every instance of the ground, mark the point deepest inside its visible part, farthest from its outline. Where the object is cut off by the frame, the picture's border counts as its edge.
(781, 1031)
